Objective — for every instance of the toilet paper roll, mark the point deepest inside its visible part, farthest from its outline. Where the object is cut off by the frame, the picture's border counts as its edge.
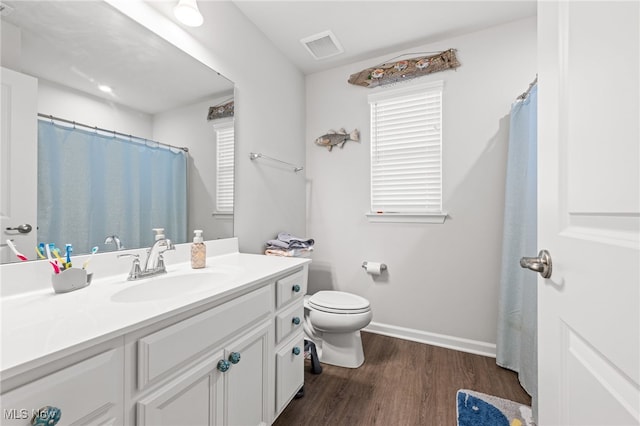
(374, 268)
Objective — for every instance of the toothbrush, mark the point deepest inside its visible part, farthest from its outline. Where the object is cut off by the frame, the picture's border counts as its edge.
(86, 262)
(40, 251)
(60, 260)
(15, 251)
(51, 248)
(69, 250)
(56, 268)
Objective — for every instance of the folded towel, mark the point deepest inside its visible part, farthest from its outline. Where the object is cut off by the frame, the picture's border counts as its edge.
(277, 244)
(289, 253)
(288, 238)
(287, 241)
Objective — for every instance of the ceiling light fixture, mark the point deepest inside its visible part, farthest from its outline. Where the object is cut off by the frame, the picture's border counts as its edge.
(187, 12)
(104, 88)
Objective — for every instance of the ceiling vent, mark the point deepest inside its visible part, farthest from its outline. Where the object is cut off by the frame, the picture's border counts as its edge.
(322, 45)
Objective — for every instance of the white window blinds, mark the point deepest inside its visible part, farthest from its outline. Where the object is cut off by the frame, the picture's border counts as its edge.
(225, 141)
(406, 150)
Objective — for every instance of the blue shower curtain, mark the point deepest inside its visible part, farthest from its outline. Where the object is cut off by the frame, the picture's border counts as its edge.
(517, 316)
(92, 185)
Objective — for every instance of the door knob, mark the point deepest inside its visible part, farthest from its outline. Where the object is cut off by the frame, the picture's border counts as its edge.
(23, 229)
(541, 264)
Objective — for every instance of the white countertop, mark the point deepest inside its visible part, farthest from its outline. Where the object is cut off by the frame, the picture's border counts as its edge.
(40, 324)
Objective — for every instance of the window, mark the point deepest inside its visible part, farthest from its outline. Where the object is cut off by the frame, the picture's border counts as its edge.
(406, 154)
(225, 141)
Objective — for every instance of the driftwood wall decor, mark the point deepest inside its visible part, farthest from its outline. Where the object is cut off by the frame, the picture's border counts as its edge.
(395, 71)
(221, 111)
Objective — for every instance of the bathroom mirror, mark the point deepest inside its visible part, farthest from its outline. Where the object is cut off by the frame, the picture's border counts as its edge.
(158, 91)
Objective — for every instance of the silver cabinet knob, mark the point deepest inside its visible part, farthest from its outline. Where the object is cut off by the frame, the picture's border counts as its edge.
(541, 264)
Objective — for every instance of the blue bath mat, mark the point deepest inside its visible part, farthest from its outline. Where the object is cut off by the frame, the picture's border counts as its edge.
(479, 409)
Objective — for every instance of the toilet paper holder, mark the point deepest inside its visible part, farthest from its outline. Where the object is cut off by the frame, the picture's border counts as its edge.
(383, 267)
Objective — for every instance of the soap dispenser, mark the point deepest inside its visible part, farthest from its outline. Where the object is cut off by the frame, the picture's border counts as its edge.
(198, 251)
(159, 233)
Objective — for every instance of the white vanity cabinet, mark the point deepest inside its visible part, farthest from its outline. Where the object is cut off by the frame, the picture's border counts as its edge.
(233, 357)
(239, 363)
(210, 369)
(289, 350)
(88, 392)
(206, 395)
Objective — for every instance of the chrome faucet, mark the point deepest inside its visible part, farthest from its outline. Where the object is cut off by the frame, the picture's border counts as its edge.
(155, 261)
(113, 239)
(154, 265)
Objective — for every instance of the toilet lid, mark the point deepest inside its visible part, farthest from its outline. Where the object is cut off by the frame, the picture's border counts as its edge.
(339, 302)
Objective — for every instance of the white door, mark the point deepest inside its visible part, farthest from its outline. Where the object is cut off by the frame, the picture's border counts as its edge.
(589, 212)
(18, 163)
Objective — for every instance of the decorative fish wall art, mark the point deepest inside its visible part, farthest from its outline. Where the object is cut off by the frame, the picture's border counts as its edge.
(221, 111)
(395, 71)
(340, 137)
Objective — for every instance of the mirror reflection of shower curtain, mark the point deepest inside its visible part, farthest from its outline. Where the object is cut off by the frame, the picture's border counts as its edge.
(92, 185)
(517, 315)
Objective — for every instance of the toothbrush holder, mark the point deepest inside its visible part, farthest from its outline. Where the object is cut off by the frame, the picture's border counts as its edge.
(70, 279)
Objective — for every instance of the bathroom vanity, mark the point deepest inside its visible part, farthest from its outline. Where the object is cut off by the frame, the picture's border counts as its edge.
(222, 345)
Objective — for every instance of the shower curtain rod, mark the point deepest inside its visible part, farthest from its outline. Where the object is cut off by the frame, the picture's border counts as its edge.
(113, 132)
(526, 93)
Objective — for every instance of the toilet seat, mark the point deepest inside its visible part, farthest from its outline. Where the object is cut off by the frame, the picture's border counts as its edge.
(338, 302)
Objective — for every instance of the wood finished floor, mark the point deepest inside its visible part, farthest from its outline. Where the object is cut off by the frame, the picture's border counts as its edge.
(401, 383)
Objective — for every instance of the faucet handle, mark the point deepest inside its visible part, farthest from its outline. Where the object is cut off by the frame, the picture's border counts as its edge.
(160, 266)
(137, 256)
(135, 271)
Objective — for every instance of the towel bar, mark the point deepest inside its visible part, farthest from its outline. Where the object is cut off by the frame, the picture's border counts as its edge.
(255, 155)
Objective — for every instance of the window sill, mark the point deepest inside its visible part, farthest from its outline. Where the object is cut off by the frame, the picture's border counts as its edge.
(407, 217)
(221, 215)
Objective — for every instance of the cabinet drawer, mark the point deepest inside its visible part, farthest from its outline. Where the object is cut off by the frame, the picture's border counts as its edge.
(89, 392)
(289, 371)
(171, 347)
(291, 287)
(289, 320)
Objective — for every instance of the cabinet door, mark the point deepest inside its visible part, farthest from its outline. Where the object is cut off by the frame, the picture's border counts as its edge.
(247, 383)
(87, 393)
(195, 398)
(289, 371)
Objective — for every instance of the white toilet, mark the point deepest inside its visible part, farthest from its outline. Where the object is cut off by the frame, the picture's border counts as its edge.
(333, 320)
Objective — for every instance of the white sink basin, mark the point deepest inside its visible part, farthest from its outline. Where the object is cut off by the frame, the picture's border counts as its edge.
(171, 285)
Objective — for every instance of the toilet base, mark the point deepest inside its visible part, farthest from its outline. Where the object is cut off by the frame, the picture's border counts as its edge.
(342, 349)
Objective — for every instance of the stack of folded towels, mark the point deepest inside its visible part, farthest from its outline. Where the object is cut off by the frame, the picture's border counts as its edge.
(288, 245)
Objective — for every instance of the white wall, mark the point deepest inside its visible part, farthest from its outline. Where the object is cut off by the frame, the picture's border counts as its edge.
(63, 102)
(442, 279)
(188, 126)
(270, 118)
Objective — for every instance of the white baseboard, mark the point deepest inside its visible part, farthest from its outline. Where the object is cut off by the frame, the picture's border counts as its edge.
(449, 342)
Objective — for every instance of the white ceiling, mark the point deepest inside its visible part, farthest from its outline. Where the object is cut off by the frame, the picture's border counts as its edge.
(373, 28)
(81, 44)
(137, 62)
